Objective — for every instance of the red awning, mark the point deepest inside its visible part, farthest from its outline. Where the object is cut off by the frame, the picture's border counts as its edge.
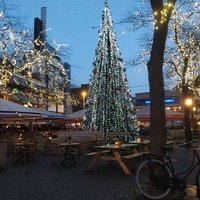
(144, 114)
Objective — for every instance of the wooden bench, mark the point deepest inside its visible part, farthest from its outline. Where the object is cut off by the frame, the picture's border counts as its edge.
(95, 152)
(169, 142)
(134, 155)
(90, 154)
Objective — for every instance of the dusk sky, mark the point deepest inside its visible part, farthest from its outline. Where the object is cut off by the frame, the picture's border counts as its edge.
(71, 23)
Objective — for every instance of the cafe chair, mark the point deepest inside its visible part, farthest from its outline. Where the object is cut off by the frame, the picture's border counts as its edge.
(20, 153)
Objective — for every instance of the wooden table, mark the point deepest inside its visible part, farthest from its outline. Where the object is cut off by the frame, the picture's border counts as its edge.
(143, 144)
(115, 155)
(68, 153)
(24, 150)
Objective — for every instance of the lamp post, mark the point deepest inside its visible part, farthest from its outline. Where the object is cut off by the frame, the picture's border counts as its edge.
(188, 103)
(84, 95)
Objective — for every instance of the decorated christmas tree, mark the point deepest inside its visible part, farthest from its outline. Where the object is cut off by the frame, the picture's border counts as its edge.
(109, 106)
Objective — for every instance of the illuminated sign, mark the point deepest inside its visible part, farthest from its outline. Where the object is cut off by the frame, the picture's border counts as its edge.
(167, 100)
(147, 102)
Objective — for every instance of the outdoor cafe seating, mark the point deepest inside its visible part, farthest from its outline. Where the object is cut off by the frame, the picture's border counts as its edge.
(122, 151)
(63, 152)
(73, 146)
(25, 151)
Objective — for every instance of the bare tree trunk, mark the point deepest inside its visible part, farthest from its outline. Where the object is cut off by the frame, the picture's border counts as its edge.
(157, 112)
(187, 93)
(158, 132)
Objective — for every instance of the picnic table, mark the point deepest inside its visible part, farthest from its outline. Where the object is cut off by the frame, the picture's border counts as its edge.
(115, 155)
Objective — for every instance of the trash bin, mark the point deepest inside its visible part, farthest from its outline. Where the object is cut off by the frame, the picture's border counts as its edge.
(3, 152)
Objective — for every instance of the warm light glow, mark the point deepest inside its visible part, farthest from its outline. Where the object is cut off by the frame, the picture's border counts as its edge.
(162, 16)
(189, 102)
(118, 143)
(139, 140)
(84, 94)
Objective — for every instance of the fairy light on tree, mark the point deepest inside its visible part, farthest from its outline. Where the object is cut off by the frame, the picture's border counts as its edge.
(182, 57)
(51, 72)
(181, 63)
(20, 61)
(13, 43)
(109, 106)
(158, 13)
(181, 60)
(161, 16)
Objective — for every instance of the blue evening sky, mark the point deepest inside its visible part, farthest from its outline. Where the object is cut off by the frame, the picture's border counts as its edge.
(71, 23)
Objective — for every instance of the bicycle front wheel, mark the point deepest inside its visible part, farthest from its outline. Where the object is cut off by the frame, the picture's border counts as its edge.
(153, 178)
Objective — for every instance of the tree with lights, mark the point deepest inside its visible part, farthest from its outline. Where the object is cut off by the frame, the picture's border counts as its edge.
(181, 62)
(47, 67)
(161, 12)
(22, 71)
(13, 43)
(109, 106)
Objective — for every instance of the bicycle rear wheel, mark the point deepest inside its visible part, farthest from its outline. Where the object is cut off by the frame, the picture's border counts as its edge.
(152, 179)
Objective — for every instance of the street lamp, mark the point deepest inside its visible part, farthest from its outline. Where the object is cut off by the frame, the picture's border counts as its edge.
(84, 95)
(188, 118)
(189, 102)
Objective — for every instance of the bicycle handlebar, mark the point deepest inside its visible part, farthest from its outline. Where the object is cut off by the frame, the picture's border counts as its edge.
(167, 148)
(187, 143)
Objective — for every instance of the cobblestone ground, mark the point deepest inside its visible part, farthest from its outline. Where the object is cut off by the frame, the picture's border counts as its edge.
(182, 159)
(42, 179)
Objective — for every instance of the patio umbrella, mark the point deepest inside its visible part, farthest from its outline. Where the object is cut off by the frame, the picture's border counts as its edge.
(51, 116)
(10, 111)
(76, 116)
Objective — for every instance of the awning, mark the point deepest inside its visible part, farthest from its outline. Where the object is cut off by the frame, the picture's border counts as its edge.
(10, 111)
(144, 114)
(76, 116)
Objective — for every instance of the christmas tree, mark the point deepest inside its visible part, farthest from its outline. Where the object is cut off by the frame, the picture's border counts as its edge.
(109, 106)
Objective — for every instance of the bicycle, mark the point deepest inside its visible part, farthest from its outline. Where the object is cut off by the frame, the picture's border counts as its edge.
(156, 176)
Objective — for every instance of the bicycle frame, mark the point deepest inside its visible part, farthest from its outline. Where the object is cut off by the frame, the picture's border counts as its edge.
(189, 170)
(157, 177)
